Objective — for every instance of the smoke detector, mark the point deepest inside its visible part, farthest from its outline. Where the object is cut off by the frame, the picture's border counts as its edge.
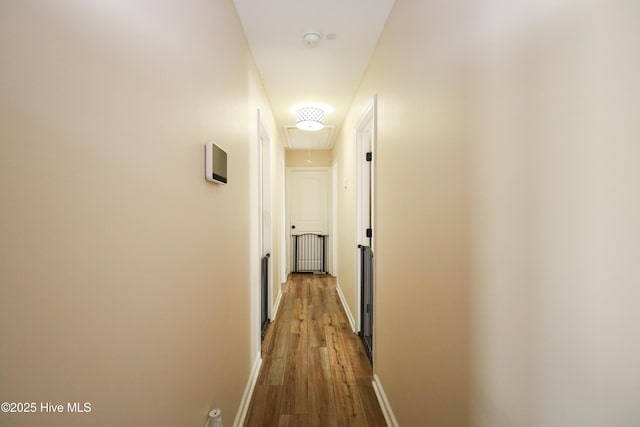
(311, 39)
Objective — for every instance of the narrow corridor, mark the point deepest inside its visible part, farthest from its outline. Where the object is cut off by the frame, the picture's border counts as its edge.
(314, 369)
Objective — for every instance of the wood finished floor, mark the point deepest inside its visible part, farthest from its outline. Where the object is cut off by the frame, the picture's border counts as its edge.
(314, 369)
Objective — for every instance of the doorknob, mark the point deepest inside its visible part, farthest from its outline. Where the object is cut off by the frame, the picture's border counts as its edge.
(293, 227)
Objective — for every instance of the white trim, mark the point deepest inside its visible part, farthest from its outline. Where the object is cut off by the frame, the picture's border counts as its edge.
(309, 168)
(248, 393)
(389, 417)
(276, 305)
(265, 205)
(343, 301)
(283, 222)
(368, 121)
(334, 220)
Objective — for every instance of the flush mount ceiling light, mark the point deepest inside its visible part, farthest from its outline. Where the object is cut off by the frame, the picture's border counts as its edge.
(310, 118)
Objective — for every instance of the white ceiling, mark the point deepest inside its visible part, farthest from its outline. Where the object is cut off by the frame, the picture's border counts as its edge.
(328, 74)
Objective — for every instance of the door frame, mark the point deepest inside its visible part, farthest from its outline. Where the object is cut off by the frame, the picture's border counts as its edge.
(368, 122)
(283, 221)
(264, 178)
(334, 221)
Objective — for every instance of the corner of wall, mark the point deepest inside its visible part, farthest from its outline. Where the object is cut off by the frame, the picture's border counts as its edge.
(347, 311)
(243, 408)
(385, 406)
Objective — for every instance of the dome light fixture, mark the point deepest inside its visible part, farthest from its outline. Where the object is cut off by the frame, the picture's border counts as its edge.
(310, 118)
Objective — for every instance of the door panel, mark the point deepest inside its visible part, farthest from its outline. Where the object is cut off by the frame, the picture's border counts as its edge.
(308, 201)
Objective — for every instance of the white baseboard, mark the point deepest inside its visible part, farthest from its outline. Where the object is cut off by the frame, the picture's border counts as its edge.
(352, 321)
(384, 403)
(248, 392)
(276, 305)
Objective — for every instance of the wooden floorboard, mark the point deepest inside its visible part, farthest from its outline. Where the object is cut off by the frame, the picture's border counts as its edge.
(315, 372)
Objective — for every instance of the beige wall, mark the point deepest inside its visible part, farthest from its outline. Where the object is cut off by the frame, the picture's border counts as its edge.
(422, 216)
(298, 158)
(278, 208)
(507, 217)
(344, 153)
(127, 280)
(553, 138)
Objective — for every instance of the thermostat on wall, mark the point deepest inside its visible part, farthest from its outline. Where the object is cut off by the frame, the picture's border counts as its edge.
(215, 163)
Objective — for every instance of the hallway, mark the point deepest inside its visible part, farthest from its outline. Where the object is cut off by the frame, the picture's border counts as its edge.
(503, 138)
(314, 370)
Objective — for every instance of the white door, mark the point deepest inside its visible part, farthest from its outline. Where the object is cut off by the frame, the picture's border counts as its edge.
(308, 201)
